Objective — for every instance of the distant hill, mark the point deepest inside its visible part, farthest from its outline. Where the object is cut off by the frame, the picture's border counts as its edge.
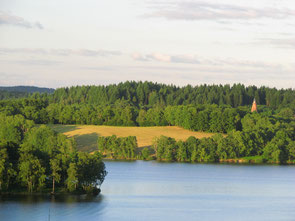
(27, 89)
(21, 91)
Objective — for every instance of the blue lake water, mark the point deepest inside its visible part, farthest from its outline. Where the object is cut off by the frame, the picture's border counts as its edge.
(171, 191)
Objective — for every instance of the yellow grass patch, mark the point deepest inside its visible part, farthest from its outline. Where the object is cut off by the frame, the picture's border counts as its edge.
(86, 135)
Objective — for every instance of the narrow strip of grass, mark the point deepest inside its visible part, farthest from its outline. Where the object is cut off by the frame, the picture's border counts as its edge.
(253, 159)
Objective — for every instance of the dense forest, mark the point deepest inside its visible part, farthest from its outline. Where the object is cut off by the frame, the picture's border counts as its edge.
(210, 118)
(149, 94)
(114, 147)
(200, 118)
(39, 160)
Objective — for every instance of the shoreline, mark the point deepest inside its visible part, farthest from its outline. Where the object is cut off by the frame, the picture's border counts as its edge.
(227, 161)
(49, 193)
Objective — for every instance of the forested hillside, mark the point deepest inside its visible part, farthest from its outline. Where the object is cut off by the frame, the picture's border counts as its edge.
(150, 94)
(28, 89)
(21, 91)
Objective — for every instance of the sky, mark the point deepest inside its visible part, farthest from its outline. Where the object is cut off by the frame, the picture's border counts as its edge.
(61, 43)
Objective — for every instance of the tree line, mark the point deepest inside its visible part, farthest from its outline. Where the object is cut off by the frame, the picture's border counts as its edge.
(5, 95)
(150, 94)
(39, 159)
(210, 118)
(118, 147)
(263, 139)
(21, 91)
(237, 145)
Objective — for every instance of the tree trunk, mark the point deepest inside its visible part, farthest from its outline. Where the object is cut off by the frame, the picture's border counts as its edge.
(30, 186)
(53, 185)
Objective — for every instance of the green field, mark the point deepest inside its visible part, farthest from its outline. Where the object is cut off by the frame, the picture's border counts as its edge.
(86, 135)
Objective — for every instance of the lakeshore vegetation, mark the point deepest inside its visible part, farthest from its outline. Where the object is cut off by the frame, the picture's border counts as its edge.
(35, 157)
(260, 141)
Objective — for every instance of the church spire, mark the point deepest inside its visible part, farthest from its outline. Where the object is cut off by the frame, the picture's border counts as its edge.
(254, 106)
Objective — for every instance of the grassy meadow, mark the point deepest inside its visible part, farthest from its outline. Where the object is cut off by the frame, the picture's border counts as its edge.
(86, 135)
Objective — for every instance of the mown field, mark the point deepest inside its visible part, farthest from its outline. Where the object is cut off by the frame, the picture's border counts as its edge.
(86, 135)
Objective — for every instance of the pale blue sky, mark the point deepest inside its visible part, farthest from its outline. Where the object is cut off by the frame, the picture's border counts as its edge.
(69, 42)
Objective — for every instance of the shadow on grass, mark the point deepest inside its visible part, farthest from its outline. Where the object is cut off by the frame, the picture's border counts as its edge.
(62, 128)
(87, 142)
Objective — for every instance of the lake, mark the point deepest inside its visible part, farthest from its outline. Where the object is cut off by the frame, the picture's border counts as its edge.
(151, 190)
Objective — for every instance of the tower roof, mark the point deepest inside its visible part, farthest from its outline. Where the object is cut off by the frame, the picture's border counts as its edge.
(254, 106)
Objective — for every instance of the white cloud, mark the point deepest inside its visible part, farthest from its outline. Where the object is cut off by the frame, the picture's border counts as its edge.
(151, 57)
(160, 57)
(22, 51)
(282, 43)
(60, 52)
(195, 59)
(189, 59)
(198, 10)
(36, 62)
(139, 57)
(8, 19)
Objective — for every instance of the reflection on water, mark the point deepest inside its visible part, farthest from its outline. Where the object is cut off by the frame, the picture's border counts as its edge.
(50, 207)
(170, 191)
(67, 199)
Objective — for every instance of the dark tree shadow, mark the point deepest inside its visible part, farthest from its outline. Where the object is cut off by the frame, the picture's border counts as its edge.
(63, 128)
(87, 142)
(139, 149)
